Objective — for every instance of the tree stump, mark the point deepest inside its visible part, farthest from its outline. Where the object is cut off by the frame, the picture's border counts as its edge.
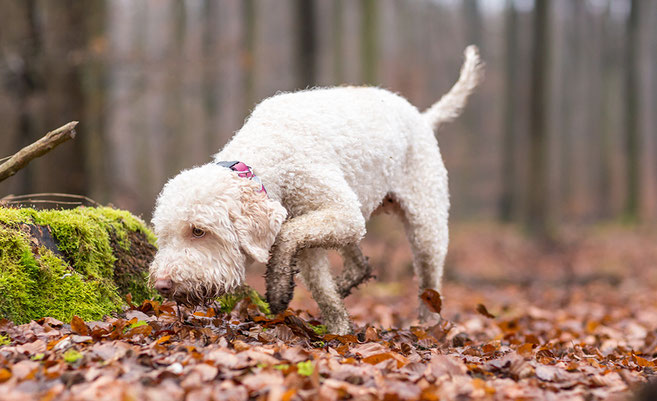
(61, 263)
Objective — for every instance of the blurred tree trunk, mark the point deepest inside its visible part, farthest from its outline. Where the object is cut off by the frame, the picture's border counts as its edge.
(306, 43)
(369, 40)
(538, 195)
(94, 83)
(507, 204)
(248, 57)
(632, 146)
(472, 115)
(211, 72)
(608, 69)
(30, 83)
(65, 50)
(569, 86)
(338, 46)
(653, 100)
(50, 58)
(176, 90)
(473, 21)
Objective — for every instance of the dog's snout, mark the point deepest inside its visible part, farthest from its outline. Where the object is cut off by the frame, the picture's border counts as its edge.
(164, 286)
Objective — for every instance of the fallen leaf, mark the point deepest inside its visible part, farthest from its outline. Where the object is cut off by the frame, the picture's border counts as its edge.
(483, 311)
(78, 326)
(432, 300)
(5, 375)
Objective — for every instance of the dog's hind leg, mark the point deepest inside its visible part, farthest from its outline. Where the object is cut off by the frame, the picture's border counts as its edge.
(356, 269)
(424, 201)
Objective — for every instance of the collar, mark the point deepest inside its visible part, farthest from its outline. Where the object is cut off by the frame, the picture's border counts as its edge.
(243, 171)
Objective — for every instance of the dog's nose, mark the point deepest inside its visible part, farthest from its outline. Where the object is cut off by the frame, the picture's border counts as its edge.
(164, 286)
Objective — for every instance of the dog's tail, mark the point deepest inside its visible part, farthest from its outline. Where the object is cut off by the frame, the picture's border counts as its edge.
(452, 103)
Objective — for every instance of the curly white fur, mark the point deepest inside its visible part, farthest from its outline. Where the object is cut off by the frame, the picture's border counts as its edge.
(328, 158)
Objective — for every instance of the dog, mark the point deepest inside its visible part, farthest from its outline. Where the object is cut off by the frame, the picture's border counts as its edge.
(304, 174)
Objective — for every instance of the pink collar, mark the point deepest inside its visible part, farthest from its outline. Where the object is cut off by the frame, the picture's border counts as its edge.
(243, 171)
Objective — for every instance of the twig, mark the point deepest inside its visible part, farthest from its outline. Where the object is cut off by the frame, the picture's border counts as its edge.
(13, 198)
(36, 149)
(26, 201)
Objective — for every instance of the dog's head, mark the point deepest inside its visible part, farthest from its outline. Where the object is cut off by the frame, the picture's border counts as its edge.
(210, 224)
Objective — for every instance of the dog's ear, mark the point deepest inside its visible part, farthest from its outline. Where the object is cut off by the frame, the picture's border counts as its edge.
(258, 224)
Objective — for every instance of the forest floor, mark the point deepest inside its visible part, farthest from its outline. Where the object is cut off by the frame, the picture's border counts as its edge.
(576, 321)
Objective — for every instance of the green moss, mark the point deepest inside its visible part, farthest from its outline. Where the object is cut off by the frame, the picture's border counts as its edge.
(4, 340)
(229, 301)
(320, 329)
(65, 292)
(36, 281)
(12, 217)
(18, 275)
(305, 368)
(72, 356)
(259, 301)
(136, 324)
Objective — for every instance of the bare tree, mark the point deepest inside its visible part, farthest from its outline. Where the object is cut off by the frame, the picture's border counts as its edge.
(538, 195)
(248, 58)
(306, 43)
(507, 205)
(25, 79)
(369, 40)
(94, 73)
(632, 145)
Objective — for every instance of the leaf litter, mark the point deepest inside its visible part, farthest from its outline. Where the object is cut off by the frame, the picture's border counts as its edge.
(590, 341)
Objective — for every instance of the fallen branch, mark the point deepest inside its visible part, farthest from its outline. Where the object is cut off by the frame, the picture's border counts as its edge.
(36, 149)
(30, 198)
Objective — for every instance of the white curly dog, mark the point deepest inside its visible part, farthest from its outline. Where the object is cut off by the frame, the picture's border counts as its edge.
(304, 174)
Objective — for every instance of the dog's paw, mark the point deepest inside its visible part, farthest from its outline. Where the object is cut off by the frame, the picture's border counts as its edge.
(340, 328)
(277, 306)
(428, 317)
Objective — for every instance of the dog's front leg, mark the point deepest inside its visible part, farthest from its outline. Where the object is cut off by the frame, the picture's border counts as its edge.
(334, 227)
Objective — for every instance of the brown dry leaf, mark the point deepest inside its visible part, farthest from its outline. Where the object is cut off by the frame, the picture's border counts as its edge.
(550, 373)
(25, 370)
(526, 349)
(371, 334)
(377, 358)
(432, 300)
(642, 361)
(592, 341)
(446, 365)
(163, 339)
(295, 354)
(483, 311)
(144, 330)
(78, 326)
(346, 339)
(52, 322)
(5, 375)
(369, 349)
(35, 347)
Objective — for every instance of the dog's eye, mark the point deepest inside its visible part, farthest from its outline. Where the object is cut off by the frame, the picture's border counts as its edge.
(197, 232)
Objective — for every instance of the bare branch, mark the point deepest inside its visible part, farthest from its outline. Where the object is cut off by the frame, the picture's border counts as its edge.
(36, 149)
(30, 197)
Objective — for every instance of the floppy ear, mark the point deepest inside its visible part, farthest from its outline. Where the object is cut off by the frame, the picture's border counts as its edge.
(258, 224)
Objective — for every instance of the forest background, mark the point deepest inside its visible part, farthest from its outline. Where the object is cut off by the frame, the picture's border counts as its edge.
(562, 130)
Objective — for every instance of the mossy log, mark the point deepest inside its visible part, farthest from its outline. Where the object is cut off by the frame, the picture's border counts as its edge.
(61, 263)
